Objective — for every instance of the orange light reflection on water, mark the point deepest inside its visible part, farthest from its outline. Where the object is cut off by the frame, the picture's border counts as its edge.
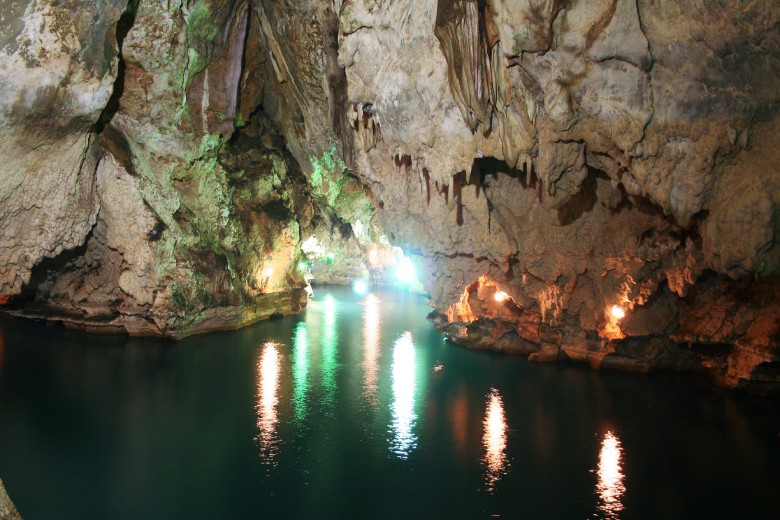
(372, 323)
(268, 368)
(494, 440)
(610, 486)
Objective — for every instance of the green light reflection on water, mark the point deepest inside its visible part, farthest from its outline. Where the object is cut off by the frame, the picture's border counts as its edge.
(300, 371)
(330, 345)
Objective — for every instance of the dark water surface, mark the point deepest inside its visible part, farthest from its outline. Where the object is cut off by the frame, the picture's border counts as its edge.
(359, 409)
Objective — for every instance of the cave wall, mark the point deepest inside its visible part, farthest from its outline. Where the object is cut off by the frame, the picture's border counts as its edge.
(577, 156)
(573, 155)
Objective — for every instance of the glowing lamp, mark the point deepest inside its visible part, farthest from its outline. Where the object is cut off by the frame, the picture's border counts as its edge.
(405, 271)
(302, 266)
(268, 271)
(330, 257)
(360, 286)
(500, 296)
(618, 312)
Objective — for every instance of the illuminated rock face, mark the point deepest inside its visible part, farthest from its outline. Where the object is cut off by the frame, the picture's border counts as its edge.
(574, 155)
(578, 156)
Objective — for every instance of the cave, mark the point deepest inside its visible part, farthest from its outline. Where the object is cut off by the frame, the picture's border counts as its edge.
(350, 259)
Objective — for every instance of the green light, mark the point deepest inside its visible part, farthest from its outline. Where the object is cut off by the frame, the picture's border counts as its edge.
(300, 371)
(330, 345)
(302, 266)
(329, 257)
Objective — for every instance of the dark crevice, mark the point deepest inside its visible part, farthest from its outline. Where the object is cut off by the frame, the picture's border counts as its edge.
(123, 26)
(50, 268)
(116, 143)
(344, 228)
(237, 110)
(581, 202)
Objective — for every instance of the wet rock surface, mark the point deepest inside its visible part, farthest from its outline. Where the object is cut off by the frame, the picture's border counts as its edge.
(7, 509)
(576, 156)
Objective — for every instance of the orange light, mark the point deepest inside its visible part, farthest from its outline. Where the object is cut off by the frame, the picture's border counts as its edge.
(618, 312)
(610, 486)
(500, 296)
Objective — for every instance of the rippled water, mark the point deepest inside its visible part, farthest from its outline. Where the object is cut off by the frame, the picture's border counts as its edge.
(359, 409)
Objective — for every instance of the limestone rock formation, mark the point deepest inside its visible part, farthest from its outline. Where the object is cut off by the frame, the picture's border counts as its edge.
(578, 156)
(58, 64)
(7, 509)
(570, 157)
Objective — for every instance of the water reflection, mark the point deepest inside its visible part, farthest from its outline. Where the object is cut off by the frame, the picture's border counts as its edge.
(329, 342)
(494, 440)
(300, 371)
(2, 348)
(371, 334)
(403, 420)
(610, 486)
(267, 400)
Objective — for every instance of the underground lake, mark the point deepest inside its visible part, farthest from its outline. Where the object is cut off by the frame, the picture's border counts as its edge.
(358, 408)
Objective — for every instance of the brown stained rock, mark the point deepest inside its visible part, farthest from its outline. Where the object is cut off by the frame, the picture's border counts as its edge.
(213, 93)
(628, 119)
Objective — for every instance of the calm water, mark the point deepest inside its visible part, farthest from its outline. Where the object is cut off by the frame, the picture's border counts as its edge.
(359, 409)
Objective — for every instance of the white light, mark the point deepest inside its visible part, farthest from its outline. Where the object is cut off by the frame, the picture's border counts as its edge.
(268, 272)
(360, 286)
(358, 228)
(404, 417)
(405, 271)
(311, 248)
(268, 369)
(618, 312)
(501, 296)
(372, 334)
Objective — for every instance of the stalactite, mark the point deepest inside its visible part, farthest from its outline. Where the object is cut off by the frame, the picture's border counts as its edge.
(461, 28)
(403, 161)
(427, 177)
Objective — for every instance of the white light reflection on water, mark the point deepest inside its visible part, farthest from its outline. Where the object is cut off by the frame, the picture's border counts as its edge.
(267, 400)
(371, 333)
(403, 417)
(494, 440)
(610, 486)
